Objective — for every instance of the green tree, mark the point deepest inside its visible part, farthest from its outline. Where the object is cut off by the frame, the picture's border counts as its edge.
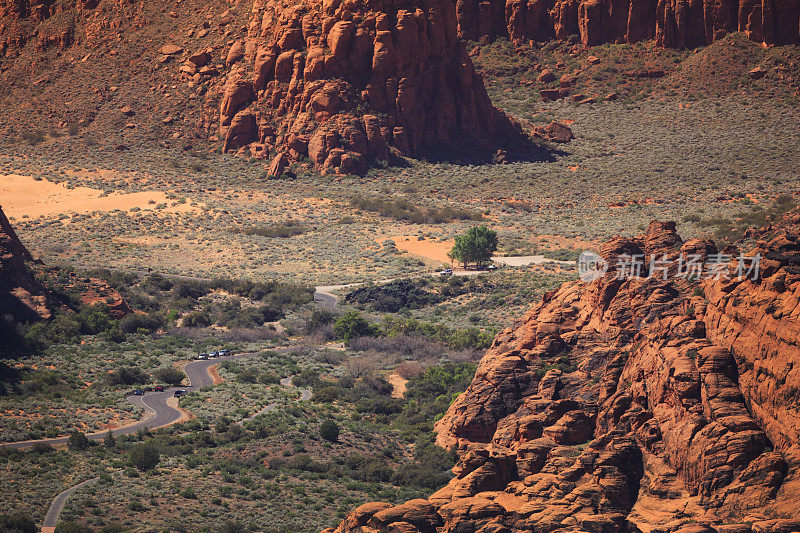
(109, 441)
(329, 430)
(351, 325)
(476, 246)
(78, 441)
(170, 375)
(95, 319)
(144, 456)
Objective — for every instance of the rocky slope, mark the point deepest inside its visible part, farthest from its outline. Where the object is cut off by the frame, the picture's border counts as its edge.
(638, 404)
(21, 295)
(338, 84)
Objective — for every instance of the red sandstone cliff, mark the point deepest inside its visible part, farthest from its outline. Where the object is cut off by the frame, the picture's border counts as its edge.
(342, 82)
(673, 23)
(632, 404)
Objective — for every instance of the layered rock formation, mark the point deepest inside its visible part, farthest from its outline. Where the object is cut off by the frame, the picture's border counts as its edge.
(672, 23)
(342, 83)
(21, 295)
(650, 403)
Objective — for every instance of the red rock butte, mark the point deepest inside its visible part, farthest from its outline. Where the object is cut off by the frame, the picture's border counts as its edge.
(637, 404)
(342, 82)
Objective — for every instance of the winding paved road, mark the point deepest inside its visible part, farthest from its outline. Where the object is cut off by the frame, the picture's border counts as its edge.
(160, 414)
(51, 519)
(156, 405)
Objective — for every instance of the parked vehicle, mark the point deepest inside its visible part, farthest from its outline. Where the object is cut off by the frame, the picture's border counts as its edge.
(158, 388)
(138, 392)
(214, 354)
(446, 272)
(224, 353)
(202, 357)
(179, 393)
(491, 267)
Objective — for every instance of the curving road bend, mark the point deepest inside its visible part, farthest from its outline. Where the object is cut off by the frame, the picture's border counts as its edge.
(159, 412)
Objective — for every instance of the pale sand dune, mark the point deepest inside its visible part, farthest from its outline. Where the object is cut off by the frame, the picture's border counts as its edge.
(23, 195)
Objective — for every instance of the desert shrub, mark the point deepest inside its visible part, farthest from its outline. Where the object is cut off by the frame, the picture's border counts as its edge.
(32, 137)
(144, 456)
(14, 341)
(128, 375)
(366, 468)
(95, 319)
(233, 526)
(351, 325)
(430, 468)
(155, 283)
(70, 527)
(61, 329)
(409, 369)
(136, 322)
(329, 430)
(372, 385)
(402, 345)
(306, 378)
(78, 441)
(170, 375)
(325, 395)
(402, 209)
(305, 463)
(429, 395)
(17, 523)
(393, 296)
(318, 319)
(290, 228)
(379, 405)
(460, 339)
(196, 319)
(188, 289)
(252, 317)
(247, 376)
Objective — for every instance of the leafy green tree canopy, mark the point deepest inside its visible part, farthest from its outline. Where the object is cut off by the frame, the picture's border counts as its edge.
(476, 246)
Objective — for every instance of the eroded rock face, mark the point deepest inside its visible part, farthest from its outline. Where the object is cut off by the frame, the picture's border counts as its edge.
(649, 402)
(674, 23)
(21, 295)
(343, 83)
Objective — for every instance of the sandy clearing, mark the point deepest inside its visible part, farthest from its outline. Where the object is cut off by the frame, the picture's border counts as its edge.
(398, 384)
(428, 249)
(23, 195)
(437, 251)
